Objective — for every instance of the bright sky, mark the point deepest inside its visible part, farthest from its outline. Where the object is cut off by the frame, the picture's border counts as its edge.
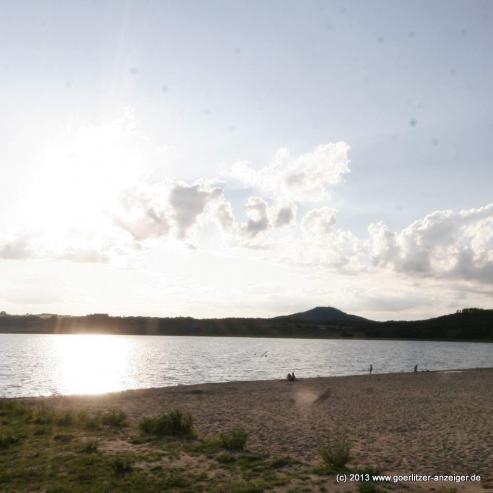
(246, 158)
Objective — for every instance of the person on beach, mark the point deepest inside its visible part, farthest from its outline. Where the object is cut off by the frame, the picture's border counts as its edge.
(289, 377)
(371, 369)
(293, 377)
(416, 368)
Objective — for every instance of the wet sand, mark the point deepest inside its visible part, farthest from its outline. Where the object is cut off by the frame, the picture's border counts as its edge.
(424, 423)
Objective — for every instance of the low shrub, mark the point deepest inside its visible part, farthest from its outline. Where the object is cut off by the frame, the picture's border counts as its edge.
(14, 408)
(176, 423)
(279, 462)
(42, 415)
(64, 418)
(226, 458)
(6, 440)
(92, 423)
(63, 438)
(115, 418)
(121, 465)
(90, 447)
(234, 440)
(335, 452)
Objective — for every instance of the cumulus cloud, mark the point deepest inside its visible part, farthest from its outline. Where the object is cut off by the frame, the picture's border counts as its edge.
(72, 247)
(15, 248)
(144, 216)
(305, 177)
(319, 222)
(159, 210)
(382, 244)
(224, 216)
(188, 203)
(84, 255)
(257, 213)
(338, 249)
(443, 244)
(261, 218)
(165, 209)
(285, 216)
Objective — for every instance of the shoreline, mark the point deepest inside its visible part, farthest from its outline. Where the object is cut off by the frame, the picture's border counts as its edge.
(325, 379)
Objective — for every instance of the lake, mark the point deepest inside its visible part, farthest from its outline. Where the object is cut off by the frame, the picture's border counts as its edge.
(44, 364)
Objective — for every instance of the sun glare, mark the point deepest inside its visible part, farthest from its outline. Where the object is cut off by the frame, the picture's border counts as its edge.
(83, 173)
(92, 364)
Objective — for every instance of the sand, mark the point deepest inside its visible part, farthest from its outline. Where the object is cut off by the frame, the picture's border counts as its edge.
(424, 423)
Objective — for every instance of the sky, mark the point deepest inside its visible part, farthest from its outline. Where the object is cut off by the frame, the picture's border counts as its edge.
(246, 158)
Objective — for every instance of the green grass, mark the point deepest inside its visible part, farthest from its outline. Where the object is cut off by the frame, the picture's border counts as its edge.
(280, 462)
(89, 447)
(7, 440)
(51, 450)
(114, 418)
(176, 424)
(335, 452)
(236, 439)
(121, 465)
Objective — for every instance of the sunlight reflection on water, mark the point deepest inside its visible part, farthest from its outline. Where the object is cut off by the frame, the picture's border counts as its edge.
(91, 364)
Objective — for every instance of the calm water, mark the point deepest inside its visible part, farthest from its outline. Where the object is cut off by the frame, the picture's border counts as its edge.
(72, 364)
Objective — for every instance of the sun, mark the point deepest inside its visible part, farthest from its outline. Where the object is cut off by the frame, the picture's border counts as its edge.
(83, 173)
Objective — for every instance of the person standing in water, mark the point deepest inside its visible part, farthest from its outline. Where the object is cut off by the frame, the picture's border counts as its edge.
(371, 369)
(416, 368)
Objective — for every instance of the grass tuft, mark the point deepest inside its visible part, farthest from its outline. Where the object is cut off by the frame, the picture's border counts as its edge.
(90, 447)
(63, 438)
(279, 462)
(115, 418)
(176, 423)
(7, 440)
(234, 440)
(335, 452)
(121, 466)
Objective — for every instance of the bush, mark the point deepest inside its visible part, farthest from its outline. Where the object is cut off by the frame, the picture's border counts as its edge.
(14, 409)
(279, 462)
(90, 447)
(176, 423)
(63, 437)
(92, 423)
(235, 440)
(115, 418)
(8, 440)
(121, 465)
(64, 418)
(41, 415)
(335, 452)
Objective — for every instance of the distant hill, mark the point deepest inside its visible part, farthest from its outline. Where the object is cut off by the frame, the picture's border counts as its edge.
(325, 314)
(470, 324)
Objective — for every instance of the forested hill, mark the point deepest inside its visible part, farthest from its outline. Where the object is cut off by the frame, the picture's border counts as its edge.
(322, 322)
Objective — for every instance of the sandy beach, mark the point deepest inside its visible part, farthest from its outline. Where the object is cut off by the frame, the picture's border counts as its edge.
(424, 423)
